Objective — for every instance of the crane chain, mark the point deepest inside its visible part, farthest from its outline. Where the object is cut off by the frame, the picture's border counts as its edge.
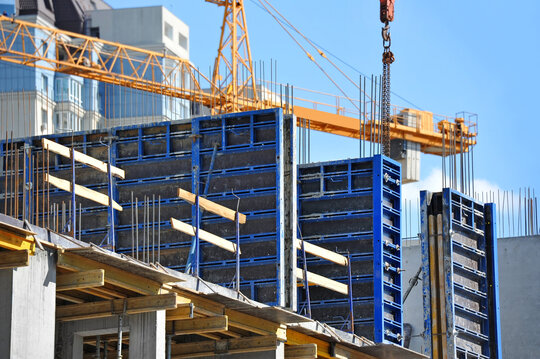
(387, 59)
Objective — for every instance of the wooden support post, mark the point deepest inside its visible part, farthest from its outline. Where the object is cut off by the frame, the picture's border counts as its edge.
(107, 308)
(14, 259)
(315, 279)
(303, 351)
(204, 235)
(226, 346)
(82, 191)
(322, 253)
(87, 279)
(82, 158)
(212, 206)
(201, 325)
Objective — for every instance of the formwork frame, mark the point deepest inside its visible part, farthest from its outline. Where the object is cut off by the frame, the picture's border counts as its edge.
(460, 277)
(361, 200)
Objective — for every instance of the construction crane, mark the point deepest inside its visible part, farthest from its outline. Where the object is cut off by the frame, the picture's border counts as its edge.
(168, 75)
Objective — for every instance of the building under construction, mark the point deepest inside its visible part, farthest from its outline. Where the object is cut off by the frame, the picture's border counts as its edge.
(151, 211)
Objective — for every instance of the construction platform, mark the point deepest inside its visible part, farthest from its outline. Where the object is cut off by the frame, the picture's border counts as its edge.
(91, 296)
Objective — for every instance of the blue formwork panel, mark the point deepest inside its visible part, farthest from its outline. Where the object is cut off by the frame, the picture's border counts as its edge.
(223, 158)
(354, 206)
(460, 233)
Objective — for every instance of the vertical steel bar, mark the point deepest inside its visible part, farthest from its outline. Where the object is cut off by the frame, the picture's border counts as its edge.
(306, 283)
(351, 303)
(237, 220)
(197, 244)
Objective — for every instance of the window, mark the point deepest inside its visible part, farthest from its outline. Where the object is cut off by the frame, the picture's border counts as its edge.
(44, 48)
(168, 31)
(48, 4)
(45, 85)
(44, 120)
(183, 41)
(94, 31)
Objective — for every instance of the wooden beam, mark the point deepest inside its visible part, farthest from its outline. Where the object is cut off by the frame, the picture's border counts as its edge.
(82, 158)
(212, 206)
(69, 298)
(255, 324)
(324, 349)
(322, 253)
(226, 346)
(87, 279)
(218, 323)
(204, 235)
(315, 279)
(107, 308)
(113, 275)
(303, 351)
(182, 311)
(82, 191)
(15, 240)
(14, 259)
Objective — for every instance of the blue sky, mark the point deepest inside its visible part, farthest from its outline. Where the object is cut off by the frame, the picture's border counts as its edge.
(451, 56)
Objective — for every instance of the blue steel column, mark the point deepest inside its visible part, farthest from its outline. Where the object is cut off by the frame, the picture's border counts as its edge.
(425, 197)
(111, 239)
(197, 241)
(449, 272)
(237, 220)
(195, 170)
(378, 265)
(495, 348)
(73, 205)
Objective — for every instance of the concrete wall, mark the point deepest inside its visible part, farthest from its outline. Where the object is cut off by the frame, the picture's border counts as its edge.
(519, 291)
(143, 27)
(27, 302)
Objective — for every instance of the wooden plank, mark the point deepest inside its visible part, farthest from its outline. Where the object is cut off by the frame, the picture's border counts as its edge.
(225, 346)
(113, 275)
(82, 191)
(303, 351)
(322, 253)
(204, 235)
(182, 311)
(316, 279)
(214, 324)
(69, 298)
(87, 279)
(212, 206)
(107, 308)
(14, 259)
(82, 158)
(16, 241)
(255, 324)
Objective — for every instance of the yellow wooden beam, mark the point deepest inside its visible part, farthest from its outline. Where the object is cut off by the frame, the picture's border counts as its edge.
(14, 259)
(82, 158)
(107, 308)
(16, 239)
(316, 279)
(322, 253)
(226, 346)
(303, 351)
(69, 298)
(82, 191)
(212, 206)
(113, 275)
(182, 311)
(87, 279)
(201, 325)
(323, 347)
(204, 235)
(255, 324)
